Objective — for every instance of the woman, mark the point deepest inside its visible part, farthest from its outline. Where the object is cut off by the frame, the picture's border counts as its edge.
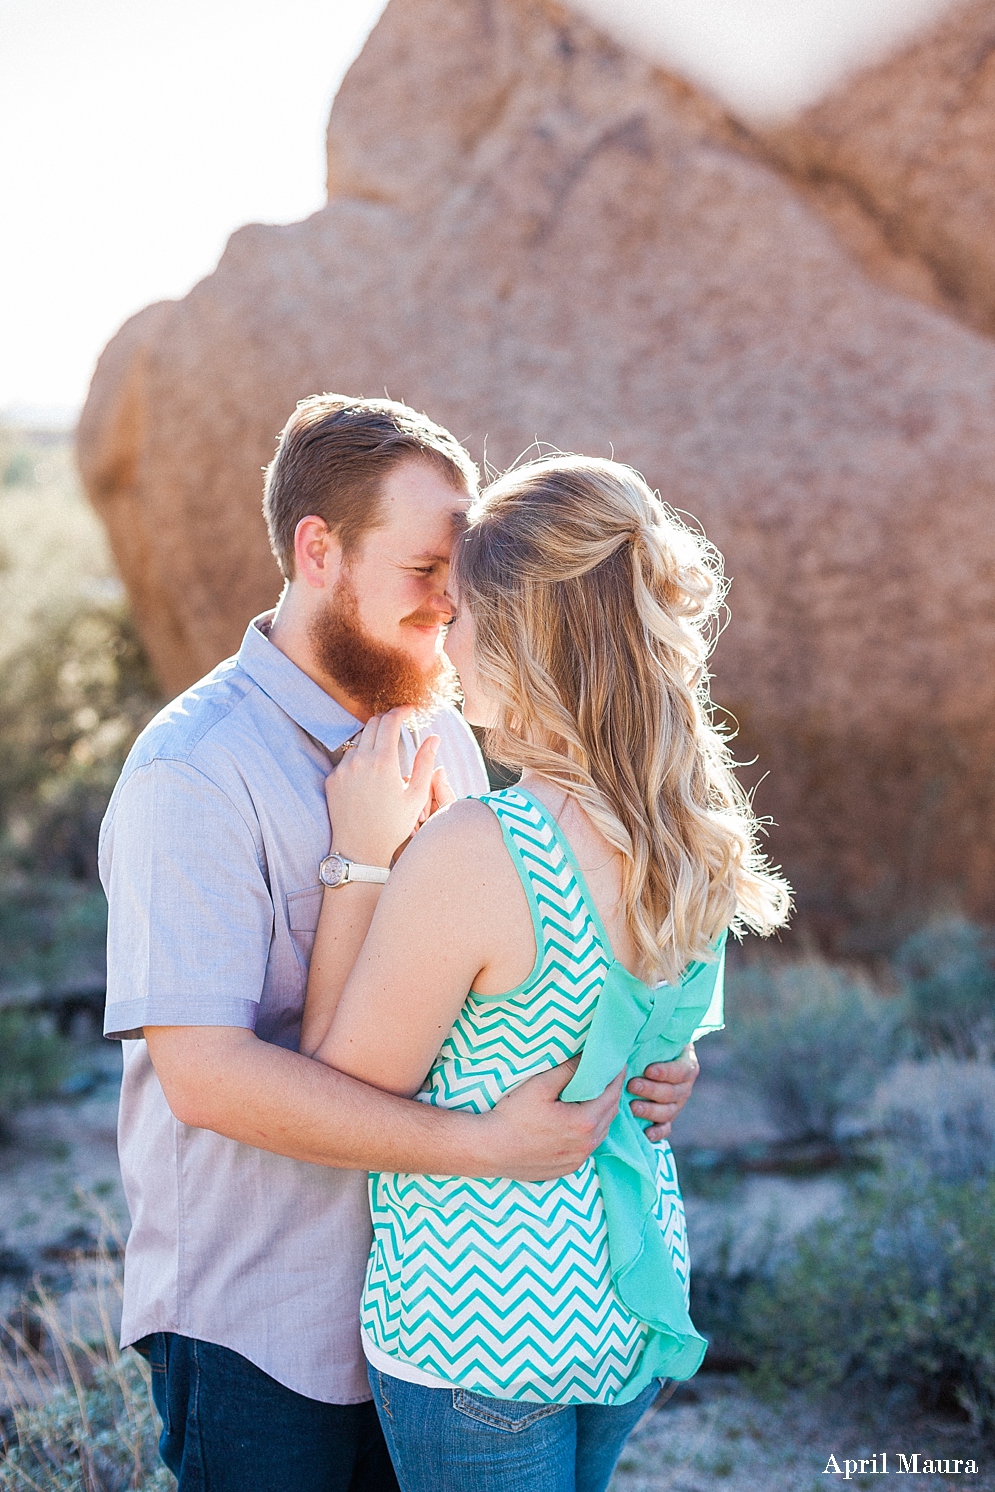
(516, 1332)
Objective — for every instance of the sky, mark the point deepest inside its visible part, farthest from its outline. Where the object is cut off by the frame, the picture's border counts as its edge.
(136, 135)
(764, 58)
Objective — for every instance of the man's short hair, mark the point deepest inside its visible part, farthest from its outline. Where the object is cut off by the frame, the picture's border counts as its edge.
(333, 456)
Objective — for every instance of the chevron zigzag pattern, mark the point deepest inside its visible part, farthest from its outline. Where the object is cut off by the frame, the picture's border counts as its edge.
(504, 1287)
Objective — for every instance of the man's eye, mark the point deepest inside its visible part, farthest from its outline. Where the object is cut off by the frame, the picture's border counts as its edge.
(424, 569)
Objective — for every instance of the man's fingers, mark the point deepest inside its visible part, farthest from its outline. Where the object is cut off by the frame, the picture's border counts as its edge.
(656, 1113)
(605, 1107)
(660, 1092)
(608, 1100)
(683, 1069)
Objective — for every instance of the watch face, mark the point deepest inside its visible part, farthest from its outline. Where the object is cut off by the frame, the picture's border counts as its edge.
(332, 871)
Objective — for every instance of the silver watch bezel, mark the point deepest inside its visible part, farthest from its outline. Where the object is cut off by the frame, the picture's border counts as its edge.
(341, 864)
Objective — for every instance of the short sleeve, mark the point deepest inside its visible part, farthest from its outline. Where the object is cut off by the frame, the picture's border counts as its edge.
(190, 916)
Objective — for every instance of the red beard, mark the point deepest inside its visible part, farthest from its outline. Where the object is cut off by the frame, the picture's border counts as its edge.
(377, 677)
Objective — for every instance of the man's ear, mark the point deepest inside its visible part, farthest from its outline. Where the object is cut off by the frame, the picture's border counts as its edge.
(317, 553)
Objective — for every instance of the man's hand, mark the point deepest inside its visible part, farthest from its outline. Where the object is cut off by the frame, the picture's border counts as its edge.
(662, 1092)
(534, 1137)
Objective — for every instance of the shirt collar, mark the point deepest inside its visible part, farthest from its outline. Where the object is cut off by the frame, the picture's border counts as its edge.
(289, 687)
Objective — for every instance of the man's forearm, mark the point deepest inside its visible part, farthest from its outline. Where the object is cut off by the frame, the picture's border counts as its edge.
(263, 1095)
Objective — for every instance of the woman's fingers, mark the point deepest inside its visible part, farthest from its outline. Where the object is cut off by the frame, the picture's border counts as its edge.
(420, 782)
(386, 747)
(442, 793)
(373, 808)
(369, 735)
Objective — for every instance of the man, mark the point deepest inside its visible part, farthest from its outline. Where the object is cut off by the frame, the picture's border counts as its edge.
(244, 1162)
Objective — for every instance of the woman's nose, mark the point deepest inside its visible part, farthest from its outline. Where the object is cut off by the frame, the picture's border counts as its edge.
(441, 602)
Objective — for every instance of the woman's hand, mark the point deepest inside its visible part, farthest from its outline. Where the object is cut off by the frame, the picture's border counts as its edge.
(440, 795)
(372, 808)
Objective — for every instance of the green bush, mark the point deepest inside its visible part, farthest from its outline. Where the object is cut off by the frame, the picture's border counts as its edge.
(811, 1038)
(948, 969)
(71, 703)
(33, 1062)
(938, 1114)
(897, 1291)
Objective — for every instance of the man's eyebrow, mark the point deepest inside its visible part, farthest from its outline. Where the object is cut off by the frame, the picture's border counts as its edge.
(436, 559)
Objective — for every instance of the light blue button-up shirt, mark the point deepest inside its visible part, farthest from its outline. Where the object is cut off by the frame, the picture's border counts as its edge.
(209, 855)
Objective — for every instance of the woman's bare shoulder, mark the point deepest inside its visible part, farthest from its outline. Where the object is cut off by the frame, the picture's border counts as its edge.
(462, 847)
(457, 875)
(466, 830)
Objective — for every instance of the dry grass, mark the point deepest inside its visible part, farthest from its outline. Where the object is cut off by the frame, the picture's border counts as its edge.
(77, 1413)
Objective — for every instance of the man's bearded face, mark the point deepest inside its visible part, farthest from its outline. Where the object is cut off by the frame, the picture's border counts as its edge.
(373, 674)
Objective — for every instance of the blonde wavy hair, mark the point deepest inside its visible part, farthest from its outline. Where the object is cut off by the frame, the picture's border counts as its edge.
(595, 609)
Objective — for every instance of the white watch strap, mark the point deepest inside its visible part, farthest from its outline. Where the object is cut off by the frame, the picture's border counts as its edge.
(375, 873)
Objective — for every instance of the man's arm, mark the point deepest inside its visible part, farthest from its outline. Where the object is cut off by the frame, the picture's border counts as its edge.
(224, 1078)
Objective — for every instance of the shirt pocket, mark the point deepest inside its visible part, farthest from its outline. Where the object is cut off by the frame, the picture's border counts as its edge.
(303, 911)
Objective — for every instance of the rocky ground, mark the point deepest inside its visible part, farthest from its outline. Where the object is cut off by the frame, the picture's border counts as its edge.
(714, 1433)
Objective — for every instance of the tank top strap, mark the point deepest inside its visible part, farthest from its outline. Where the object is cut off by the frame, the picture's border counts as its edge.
(567, 926)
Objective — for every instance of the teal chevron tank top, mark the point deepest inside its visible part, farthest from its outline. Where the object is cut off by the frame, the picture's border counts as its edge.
(571, 1291)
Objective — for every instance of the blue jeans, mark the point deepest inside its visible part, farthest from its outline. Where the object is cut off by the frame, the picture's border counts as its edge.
(450, 1440)
(229, 1427)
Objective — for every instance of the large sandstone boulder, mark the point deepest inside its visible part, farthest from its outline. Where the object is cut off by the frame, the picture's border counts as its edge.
(534, 234)
(902, 157)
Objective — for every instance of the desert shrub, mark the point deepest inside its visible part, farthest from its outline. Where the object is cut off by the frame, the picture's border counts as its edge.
(98, 1439)
(898, 1289)
(811, 1038)
(938, 1115)
(725, 1268)
(17, 458)
(71, 702)
(898, 1292)
(948, 969)
(34, 1060)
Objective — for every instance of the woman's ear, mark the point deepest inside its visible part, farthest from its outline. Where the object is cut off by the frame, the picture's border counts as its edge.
(317, 553)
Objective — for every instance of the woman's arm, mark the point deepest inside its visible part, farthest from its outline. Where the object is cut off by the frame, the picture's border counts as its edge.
(453, 917)
(372, 811)
(472, 900)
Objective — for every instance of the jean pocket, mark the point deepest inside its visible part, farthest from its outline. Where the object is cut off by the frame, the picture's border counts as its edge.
(509, 1415)
(158, 1352)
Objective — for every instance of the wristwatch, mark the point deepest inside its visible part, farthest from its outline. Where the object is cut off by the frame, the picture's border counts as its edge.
(336, 870)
